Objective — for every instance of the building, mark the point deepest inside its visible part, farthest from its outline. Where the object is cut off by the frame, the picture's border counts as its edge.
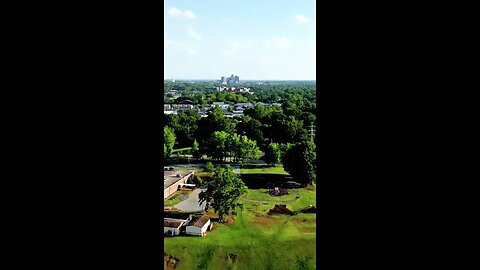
(181, 105)
(191, 225)
(170, 112)
(172, 226)
(198, 226)
(222, 105)
(173, 180)
(230, 80)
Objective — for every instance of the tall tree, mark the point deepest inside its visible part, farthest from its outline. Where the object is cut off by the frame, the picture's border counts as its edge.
(223, 192)
(300, 162)
(272, 154)
(168, 139)
(215, 121)
(196, 150)
(218, 145)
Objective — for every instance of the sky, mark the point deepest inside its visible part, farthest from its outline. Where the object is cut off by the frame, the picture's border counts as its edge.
(254, 39)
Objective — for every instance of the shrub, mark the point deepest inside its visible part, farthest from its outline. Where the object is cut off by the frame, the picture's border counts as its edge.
(209, 167)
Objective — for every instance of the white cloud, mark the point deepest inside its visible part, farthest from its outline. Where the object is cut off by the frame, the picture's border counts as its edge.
(189, 14)
(193, 34)
(301, 19)
(177, 13)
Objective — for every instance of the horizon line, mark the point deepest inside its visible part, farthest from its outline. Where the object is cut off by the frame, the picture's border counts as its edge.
(169, 79)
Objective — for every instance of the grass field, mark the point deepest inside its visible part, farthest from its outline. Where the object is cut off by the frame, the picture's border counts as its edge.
(262, 194)
(264, 170)
(181, 149)
(255, 240)
(176, 198)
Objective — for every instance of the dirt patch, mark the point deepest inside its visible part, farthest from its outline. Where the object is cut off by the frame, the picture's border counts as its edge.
(263, 221)
(280, 209)
(210, 215)
(308, 229)
(303, 221)
(230, 219)
(232, 257)
(170, 262)
(309, 209)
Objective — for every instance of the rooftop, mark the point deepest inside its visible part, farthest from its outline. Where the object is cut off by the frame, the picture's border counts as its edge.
(199, 221)
(172, 223)
(171, 177)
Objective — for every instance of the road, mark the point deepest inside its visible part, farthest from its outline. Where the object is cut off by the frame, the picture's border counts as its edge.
(191, 203)
(236, 169)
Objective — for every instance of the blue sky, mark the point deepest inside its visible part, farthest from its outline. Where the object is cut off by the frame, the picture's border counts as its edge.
(254, 39)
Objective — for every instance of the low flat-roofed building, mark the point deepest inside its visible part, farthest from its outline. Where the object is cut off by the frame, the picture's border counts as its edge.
(173, 179)
(198, 226)
(172, 226)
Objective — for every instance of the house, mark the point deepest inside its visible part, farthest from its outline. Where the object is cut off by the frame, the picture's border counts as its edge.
(244, 105)
(222, 105)
(198, 226)
(237, 113)
(172, 226)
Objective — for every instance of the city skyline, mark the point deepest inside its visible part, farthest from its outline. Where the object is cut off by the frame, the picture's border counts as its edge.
(256, 40)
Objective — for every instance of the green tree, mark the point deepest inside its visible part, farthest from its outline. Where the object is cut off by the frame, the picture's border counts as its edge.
(168, 139)
(272, 154)
(218, 145)
(284, 147)
(196, 150)
(209, 167)
(215, 121)
(300, 162)
(233, 143)
(223, 192)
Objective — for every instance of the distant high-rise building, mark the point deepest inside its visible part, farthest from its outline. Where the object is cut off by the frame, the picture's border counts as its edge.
(223, 80)
(230, 80)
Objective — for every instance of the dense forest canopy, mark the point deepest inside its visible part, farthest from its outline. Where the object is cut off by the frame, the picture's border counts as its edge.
(287, 123)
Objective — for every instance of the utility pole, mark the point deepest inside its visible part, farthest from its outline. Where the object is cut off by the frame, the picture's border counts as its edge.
(312, 131)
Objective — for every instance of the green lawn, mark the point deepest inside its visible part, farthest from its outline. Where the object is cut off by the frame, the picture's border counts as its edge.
(176, 197)
(262, 194)
(182, 169)
(255, 239)
(181, 149)
(267, 170)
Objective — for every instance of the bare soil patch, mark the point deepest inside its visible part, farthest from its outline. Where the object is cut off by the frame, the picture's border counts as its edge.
(280, 209)
(262, 221)
(170, 262)
(309, 209)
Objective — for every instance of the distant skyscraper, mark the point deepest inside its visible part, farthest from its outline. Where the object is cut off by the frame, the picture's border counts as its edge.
(230, 80)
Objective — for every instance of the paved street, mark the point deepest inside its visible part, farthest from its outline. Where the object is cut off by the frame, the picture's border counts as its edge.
(236, 169)
(191, 204)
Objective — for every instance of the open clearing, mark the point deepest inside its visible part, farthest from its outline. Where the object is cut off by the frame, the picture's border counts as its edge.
(255, 240)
